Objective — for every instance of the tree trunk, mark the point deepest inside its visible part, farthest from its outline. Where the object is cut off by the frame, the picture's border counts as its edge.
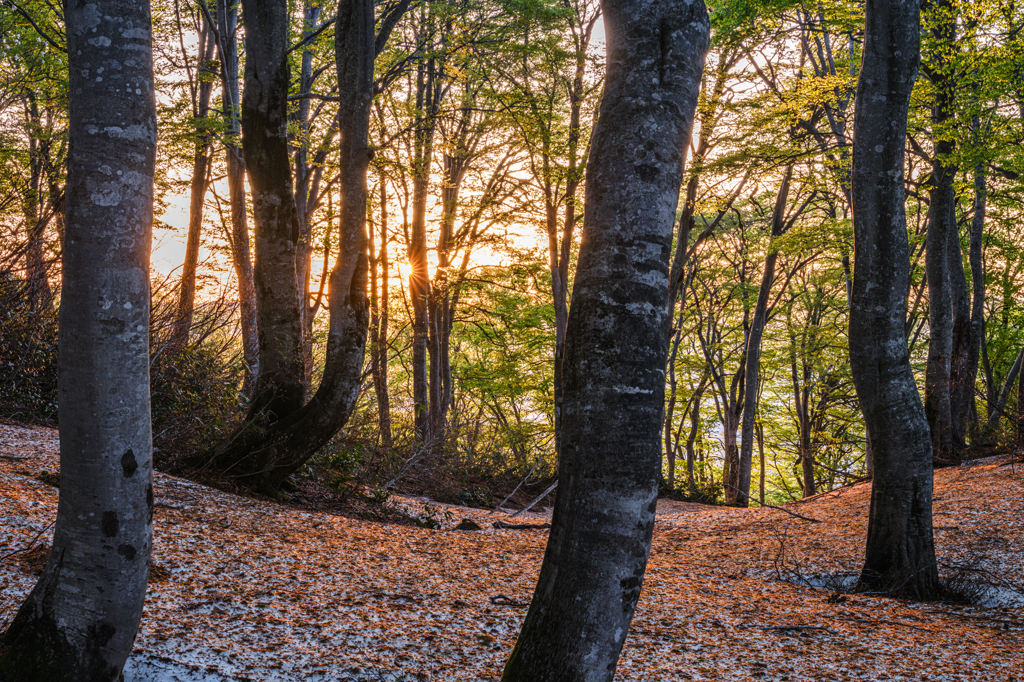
(306, 190)
(280, 385)
(995, 411)
(760, 450)
(227, 47)
(455, 163)
(753, 359)
(379, 325)
(900, 556)
(670, 447)
(80, 620)
(264, 458)
(197, 189)
(977, 332)
(942, 231)
(616, 347)
(428, 101)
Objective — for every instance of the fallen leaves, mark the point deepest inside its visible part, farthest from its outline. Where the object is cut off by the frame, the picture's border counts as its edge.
(247, 590)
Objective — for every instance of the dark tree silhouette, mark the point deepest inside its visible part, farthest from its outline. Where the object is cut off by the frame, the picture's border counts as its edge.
(900, 549)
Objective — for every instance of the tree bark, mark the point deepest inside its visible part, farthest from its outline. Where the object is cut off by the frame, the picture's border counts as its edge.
(900, 556)
(80, 620)
(379, 324)
(280, 385)
(616, 347)
(942, 232)
(995, 411)
(428, 102)
(966, 418)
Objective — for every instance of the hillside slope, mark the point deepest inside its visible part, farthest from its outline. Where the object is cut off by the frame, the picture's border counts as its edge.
(249, 590)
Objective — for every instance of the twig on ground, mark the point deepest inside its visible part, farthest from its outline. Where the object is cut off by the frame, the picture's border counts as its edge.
(30, 544)
(772, 506)
(16, 458)
(517, 488)
(532, 504)
(502, 600)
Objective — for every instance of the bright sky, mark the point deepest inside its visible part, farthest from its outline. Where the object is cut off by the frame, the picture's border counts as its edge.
(169, 242)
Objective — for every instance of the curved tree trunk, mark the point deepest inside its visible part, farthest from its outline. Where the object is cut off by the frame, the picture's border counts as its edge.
(900, 555)
(80, 620)
(616, 347)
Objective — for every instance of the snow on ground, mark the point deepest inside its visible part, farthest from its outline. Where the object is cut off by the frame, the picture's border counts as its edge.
(244, 589)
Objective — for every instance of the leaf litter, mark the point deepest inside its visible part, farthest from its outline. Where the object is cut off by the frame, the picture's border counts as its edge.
(245, 589)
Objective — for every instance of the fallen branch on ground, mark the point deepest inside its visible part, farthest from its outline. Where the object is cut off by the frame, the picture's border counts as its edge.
(520, 526)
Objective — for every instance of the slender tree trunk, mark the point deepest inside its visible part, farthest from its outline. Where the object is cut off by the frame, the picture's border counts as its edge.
(670, 449)
(807, 438)
(427, 103)
(280, 385)
(80, 620)
(995, 411)
(942, 231)
(977, 333)
(900, 556)
(616, 347)
(305, 199)
(379, 325)
(760, 450)
(227, 47)
(455, 164)
(37, 215)
(732, 415)
(197, 188)
(753, 360)
(694, 430)
(1020, 410)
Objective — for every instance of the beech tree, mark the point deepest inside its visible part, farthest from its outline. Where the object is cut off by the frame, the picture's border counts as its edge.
(80, 620)
(281, 432)
(616, 346)
(900, 556)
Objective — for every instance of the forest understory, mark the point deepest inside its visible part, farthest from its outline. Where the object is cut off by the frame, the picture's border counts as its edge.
(248, 589)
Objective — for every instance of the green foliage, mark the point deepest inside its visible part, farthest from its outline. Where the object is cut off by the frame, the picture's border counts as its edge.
(28, 355)
(693, 491)
(433, 517)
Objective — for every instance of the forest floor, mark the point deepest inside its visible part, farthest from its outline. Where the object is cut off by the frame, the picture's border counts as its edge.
(245, 589)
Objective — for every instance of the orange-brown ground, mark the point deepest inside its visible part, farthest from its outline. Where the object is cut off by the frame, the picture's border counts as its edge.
(249, 590)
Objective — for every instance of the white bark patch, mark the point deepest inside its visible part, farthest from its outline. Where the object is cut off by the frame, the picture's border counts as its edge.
(631, 390)
(106, 198)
